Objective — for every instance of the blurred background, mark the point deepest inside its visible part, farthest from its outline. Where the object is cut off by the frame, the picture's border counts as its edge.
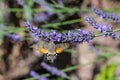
(98, 60)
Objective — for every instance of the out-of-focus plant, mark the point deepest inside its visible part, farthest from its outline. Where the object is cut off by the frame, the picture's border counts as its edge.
(43, 13)
(106, 55)
(75, 36)
(108, 73)
(35, 75)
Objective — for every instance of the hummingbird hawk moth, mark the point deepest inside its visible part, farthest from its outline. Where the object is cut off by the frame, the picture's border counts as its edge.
(49, 49)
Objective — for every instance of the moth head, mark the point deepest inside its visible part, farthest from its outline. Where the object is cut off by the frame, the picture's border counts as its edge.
(50, 57)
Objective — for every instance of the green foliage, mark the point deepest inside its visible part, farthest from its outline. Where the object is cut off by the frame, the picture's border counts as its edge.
(28, 13)
(108, 73)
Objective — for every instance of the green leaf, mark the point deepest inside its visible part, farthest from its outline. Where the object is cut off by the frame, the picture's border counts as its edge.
(28, 13)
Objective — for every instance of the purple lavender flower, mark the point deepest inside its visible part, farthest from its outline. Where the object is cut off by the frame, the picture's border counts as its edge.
(43, 78)
(77, 36)
(41, 17)
(34, 31)
(41, 1)
(60, 2)
(44, 16)
(106, 29)
(53, 70)
(106, 15)
(55, 36)
(14, 37)
(35, 74)
(84, 36)
(21, 2)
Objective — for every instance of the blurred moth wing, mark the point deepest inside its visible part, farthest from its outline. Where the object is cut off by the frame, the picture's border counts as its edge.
(61, 47)
(36, 48)
(49, 49)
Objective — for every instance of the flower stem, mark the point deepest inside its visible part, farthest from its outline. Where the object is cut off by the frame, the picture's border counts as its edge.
(118, 30)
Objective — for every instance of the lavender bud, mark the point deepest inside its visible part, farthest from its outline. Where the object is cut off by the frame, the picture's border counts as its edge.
(43, 78)
(106, 29)
(14, 37)
(106, 15)
(78, 36)
(21, 2)
(35, 74)
(53, 70)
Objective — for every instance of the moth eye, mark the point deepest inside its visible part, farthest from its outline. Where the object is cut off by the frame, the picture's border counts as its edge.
(44, 50)
(59, 50)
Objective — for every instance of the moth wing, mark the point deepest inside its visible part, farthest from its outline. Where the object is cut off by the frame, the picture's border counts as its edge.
(38, 45)
(63, 45)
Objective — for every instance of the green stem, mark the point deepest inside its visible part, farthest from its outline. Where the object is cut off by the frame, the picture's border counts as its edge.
(42, 10)
(67, 69)
(55, 25)
(118, 30)
(75, 67)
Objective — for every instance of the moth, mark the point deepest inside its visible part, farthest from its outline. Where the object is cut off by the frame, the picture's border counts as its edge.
(49, 49)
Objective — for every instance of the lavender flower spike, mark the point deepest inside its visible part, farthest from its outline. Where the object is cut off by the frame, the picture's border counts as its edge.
(14, 37)
(106, 29)
(34, 31)
(53, 70)
(77, 36)
(106, 15)
(35, 74)
(21, 2)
